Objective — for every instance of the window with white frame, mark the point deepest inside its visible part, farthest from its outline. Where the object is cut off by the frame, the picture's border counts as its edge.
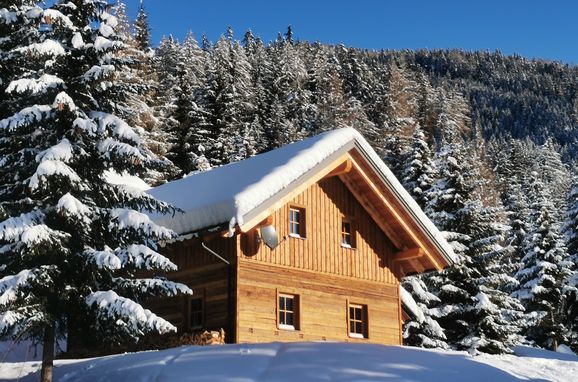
(288, 311)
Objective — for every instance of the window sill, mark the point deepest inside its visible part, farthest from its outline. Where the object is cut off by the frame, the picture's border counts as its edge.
(287, 327)
(295, 236)
(357, 336)
(347, 246)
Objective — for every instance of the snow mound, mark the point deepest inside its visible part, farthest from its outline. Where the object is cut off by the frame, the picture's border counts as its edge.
(300, 362)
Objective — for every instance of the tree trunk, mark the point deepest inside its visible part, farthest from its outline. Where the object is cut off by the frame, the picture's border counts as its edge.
(47, 355)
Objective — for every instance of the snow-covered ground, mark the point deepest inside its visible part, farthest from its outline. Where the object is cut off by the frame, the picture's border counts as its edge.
(307, 362)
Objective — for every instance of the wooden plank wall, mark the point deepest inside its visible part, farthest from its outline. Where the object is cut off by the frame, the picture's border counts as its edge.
(324, 274)
(208, 277)
(321, 251)
(323, 305)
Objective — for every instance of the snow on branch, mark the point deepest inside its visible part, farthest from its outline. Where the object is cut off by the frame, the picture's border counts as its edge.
(102, 43)
(410, 304)
(129, 316)
(97, 72)
(63, 100)
(85, 124)
(70, 206)
(152, 287)
(45, 48)
(112, 146)
(60, 152)
(142, 257)
(109, 19)
(48, 168)
(119, 127)
(34, 85)
(7, 17)
(123, 219)
(9, 285)
(26, 117)
(17, 322)
(106, 30)
(55, 16)
(28, 229)
(105, 259)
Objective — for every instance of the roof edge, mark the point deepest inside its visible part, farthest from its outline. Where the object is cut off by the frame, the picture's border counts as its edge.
(426, 228)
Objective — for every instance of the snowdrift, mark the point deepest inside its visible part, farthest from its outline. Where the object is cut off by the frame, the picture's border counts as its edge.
(306, 362)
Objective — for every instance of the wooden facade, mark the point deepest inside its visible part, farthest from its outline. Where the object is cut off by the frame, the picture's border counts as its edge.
(242, 296)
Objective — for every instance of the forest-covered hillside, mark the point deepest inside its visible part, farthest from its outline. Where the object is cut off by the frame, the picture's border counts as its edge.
(483, 141)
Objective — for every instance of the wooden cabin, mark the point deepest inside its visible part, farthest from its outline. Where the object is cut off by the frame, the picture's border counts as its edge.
(307, 242)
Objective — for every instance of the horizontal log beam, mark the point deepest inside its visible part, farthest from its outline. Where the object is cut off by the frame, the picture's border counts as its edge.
(343, 168)
(409, 254)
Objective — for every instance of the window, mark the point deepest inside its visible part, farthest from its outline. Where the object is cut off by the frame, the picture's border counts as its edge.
(297, 222)
(288, 311)
(347, 234)
(357, 321)
(196, 313)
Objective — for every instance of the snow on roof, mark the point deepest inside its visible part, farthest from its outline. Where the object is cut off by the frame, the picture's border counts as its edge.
(232, 193)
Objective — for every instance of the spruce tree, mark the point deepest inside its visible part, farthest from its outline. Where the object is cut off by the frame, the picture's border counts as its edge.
(570, 230)
(142, 29)
(544, 267)
(423, 331)
(73, 242)
(419, 171)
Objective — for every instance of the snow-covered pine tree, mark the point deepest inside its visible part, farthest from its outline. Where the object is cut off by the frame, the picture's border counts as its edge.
(570, 231)
(134, 87)
(397, 116)
(474, 311)
(419, 177)
(142, 30)
(289, 94)
(71, 241)
(423, 331)
(544, 267)
(259, 63)
(419, 171)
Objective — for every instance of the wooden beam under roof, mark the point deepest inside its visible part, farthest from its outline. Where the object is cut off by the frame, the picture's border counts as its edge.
(409, 254)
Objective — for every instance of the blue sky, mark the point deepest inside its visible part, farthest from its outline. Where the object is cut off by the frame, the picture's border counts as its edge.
(532, 28)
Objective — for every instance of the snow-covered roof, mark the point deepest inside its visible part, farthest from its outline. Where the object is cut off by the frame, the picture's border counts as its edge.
(238, 192)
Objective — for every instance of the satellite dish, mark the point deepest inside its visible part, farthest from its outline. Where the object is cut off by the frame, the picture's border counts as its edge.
(269, 236)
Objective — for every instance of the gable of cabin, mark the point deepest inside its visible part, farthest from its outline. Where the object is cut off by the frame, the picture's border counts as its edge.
(324, 276)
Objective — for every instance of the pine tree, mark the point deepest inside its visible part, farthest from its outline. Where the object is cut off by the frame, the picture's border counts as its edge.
(419, 172)
(142, 29)
(544, 267)
(475, 312)
(570, 231)
(72, 242)
(423, 331)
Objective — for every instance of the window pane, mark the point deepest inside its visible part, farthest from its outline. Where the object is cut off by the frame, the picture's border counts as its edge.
(358, 328)
(289, 319)
(289, 304)
(281, 303)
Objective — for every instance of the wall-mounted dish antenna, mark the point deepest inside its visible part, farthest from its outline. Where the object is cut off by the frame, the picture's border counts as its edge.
(269, 236)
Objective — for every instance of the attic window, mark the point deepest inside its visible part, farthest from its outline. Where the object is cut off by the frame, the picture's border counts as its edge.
(296, 221)
(347, 233)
